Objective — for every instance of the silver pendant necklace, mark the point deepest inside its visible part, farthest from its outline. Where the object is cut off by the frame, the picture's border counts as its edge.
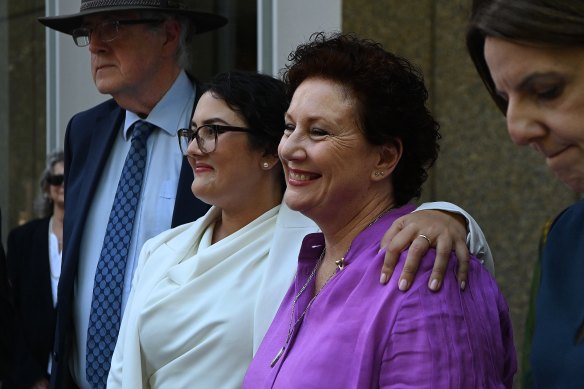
(340, 266)
(293, 323)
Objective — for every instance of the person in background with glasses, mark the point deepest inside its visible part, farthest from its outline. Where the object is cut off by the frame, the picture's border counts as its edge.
(138, 55)
(34, 253)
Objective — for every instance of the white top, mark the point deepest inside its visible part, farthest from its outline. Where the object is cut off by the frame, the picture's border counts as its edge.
(55, 259)
(154, 214)
(475, 239)
(190, 314)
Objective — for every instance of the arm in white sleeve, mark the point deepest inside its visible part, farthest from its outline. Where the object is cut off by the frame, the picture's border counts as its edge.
(475, 239)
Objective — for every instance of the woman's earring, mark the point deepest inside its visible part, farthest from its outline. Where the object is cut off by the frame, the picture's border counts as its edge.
(266, 165)
(378, 173)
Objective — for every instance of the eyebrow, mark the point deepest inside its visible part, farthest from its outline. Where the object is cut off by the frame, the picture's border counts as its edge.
(525, 84)
(210, 121)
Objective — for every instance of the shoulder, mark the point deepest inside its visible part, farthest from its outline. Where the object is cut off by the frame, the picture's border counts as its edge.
(29, 228)
(95, 114)
(106, 107)
(27, 240)
(105, 118)
(573, 215)
(164, 250)
(179, 233)
(179, 238)
(448, 300)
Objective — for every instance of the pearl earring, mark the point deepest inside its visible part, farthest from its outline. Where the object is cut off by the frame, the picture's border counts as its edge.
(266, 165)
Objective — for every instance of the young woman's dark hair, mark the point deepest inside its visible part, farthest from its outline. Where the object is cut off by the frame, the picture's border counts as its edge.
(245, 92)
(260, 99)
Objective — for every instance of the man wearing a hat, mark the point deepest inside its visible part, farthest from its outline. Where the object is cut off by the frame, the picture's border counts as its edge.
(125, 178)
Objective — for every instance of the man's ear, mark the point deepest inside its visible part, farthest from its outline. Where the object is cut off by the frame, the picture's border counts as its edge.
(172, 33)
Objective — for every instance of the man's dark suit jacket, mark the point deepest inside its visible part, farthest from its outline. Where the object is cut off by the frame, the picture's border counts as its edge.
(88, 141)
(30, 276)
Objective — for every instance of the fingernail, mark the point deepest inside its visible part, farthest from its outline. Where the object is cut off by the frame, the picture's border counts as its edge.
(462, 285)
(381, 249)
(403, 284)
(383, 278)
(434, 284)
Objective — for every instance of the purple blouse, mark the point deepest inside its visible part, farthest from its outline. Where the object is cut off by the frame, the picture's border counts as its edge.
(360, 334)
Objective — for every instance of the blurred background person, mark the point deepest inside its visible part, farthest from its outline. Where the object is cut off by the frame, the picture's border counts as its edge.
(357, 144)
(34, 265)
(530, 56)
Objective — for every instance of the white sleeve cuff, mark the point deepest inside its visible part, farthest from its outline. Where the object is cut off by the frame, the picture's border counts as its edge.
(475, 239)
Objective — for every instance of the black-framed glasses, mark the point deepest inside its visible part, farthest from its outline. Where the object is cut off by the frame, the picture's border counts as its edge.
(206, 136)
(106, 31)
(55, 179)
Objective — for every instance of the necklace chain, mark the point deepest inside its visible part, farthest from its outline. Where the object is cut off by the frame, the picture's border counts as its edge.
(340, 266)
(293, 323)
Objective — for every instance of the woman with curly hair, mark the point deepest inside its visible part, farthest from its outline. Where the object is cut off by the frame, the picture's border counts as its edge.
(356, 148)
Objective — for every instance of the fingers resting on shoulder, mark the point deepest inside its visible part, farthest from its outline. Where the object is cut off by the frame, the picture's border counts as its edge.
(420, 231)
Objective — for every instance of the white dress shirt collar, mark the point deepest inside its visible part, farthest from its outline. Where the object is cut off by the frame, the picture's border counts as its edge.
(179, 93)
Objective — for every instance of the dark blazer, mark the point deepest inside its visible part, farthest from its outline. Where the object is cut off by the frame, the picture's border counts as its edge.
(30, 276)
(88, 141)
(557, 350)
(6, 315)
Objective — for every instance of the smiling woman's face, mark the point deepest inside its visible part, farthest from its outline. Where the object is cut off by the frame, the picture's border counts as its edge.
(544, 89)
(326, 159)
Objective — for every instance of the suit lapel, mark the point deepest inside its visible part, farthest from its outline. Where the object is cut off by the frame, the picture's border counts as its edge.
(92, 141)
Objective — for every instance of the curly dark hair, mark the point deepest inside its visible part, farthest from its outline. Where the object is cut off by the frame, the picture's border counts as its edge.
(556, 23)
(261, 100)
(390, 94)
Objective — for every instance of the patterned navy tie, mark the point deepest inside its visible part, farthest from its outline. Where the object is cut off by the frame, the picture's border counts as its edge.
(106, 305)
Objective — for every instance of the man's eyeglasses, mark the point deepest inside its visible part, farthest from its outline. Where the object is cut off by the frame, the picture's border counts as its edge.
(55, 179)
(206, 136)
(106, 31)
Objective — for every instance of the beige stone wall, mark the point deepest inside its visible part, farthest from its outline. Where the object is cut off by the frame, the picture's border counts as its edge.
(507, 189)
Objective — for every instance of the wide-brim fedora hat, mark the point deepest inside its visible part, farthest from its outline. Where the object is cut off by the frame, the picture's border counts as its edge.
(201, 21)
